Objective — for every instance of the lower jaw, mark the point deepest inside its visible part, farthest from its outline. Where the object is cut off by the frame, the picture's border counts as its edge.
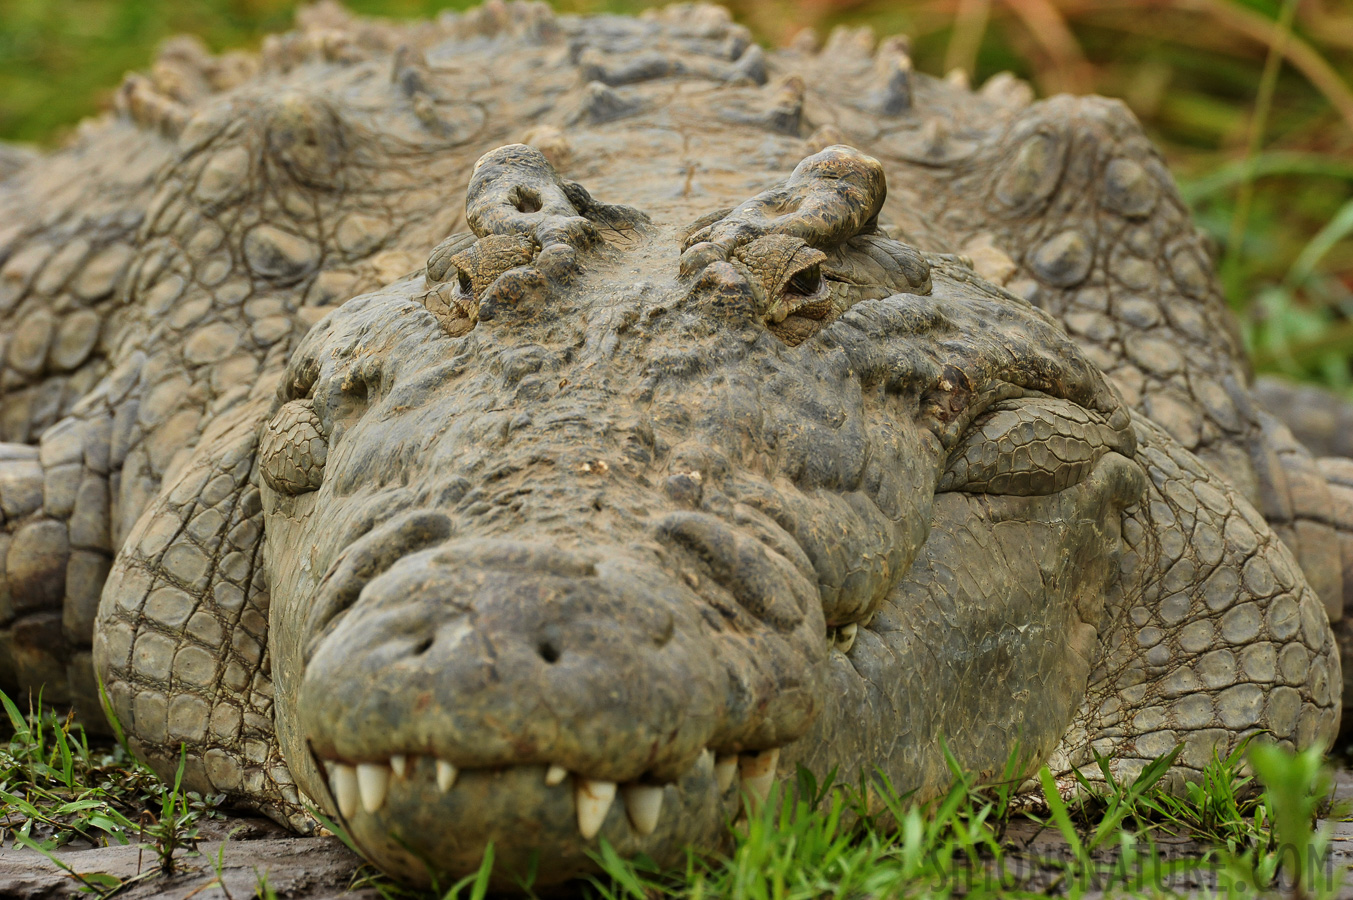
(427, 837)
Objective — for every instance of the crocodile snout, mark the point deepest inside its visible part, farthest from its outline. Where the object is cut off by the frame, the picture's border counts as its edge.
(589, 676)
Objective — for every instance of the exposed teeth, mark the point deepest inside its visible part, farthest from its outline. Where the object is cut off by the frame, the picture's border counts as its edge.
(725, 767)
(555, 775)
(758, 773)
(343, 782)
(373, 780)
(845, 636)
(643, 802)
(593, 799)
(446, 775)
(400, 764)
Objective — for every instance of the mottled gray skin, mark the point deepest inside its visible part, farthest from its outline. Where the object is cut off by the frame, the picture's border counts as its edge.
(824, 422)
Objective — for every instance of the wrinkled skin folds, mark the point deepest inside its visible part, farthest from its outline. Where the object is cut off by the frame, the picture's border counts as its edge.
(534, 431)
(641, 508)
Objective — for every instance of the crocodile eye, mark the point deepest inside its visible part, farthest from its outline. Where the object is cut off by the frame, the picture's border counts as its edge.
(805, 282)
(1029, 447)
(293, 448)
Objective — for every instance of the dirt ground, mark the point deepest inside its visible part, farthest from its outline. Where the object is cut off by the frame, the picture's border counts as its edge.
(294, 867)
(236, 854)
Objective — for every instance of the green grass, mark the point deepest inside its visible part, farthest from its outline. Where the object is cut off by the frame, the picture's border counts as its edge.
(56, 788)
(826, 843)
(814, 840)
(830, 841)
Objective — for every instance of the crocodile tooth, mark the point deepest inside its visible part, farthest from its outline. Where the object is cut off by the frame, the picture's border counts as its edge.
(373, 780)
(400, 764)
(446, 775)
(705, 761)
(555, 775)
(343, 781)
(725, 767)
(758, 772)
(593, 799)
(643, 802)
(845, 636)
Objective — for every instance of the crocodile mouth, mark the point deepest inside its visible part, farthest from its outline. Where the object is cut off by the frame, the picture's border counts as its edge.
(541, 699)
(409, 809)
(363, 788)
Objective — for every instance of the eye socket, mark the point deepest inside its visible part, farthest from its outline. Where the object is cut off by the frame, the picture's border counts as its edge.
(293, 448)
(805, 282)
(1029, 447)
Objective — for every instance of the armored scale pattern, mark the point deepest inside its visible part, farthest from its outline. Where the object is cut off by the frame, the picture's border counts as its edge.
(523, 428)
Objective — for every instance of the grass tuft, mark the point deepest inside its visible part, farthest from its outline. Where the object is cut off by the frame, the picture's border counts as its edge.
(1246, 824)
(56, 788)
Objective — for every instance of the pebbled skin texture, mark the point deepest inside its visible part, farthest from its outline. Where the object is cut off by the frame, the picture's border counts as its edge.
(823, 420)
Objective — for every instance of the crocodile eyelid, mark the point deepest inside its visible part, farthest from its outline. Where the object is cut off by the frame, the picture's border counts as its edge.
(1028, 447)
(293, 449)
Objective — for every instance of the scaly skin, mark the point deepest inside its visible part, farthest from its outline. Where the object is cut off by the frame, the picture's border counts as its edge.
(646, 483)
(1321, 420)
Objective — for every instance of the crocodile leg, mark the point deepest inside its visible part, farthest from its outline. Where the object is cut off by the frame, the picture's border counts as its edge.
(1338, 472)
(54, 555)
(1322, 423)
(1300, 505)
(1225, 641)
(186, 606)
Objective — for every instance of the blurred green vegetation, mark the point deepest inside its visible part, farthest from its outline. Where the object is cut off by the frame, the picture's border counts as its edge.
(1249, 99)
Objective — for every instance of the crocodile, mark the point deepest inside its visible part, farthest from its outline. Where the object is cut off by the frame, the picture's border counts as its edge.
(530, 430)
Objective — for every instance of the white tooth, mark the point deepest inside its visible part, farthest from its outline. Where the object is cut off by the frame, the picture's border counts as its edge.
(446, 775)
(758, 772)
(343, 782)
(725, 767)
(555, 775)
(373, 780)
(593, 799)
(400, 764)
(845, 637)
(643, 802)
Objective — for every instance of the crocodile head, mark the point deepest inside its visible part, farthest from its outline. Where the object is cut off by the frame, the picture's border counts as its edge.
(602, 511)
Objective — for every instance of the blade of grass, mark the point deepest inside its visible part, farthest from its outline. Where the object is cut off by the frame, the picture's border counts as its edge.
(1060, 817)
(970, 25)
(1302, 56)
(1265, 165)
(1048, 27)
(1231, 268)
(1335, 230)
(1336, 339)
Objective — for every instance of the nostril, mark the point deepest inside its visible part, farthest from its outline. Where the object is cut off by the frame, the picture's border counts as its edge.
(421, 647)
(548, 651)
(525, 200)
